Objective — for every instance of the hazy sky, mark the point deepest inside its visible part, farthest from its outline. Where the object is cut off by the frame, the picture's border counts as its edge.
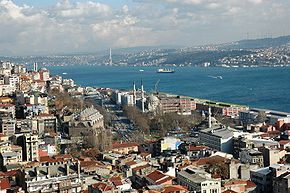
(51, 26)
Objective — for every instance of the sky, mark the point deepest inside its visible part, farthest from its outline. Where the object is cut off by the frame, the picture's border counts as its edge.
(41, 27)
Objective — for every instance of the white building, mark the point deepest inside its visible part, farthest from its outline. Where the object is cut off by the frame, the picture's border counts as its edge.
(219, 138)
(14, 81)
(197, 180)
(127, 100)
(68, 82)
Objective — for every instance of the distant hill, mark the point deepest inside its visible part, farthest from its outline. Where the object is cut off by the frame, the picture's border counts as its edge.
(143, 48)
(259, 43)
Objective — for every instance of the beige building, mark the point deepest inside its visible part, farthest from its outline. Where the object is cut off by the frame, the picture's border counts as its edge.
(252, 156)
(52, 174)
(125, 148)
(272, 155)
(7, 126)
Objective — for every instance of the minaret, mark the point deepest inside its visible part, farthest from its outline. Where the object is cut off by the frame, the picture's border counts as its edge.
(142, 97)
(35, 67)
(134, 93)
(79, 171)
(209, 117)
(110, 57)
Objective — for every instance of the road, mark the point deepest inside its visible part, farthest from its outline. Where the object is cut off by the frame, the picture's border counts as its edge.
(121, 125)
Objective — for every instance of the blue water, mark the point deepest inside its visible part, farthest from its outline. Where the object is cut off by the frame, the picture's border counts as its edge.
(256, 87)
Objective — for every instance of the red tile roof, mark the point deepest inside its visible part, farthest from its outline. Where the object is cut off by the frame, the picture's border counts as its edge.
(153, 191)
(42, 152)
(9, 173)
(102, 186)
(117, 183)
(235, 182)
(140, 167)
(124, 145)
(6, 105)
(57, 158)
(197, 148)
(23, 77)
(4, 184)
(284, 142)
(174, 188)
(156, 176)
(229, 191)
(274, 132)
(144, 154)
(130, 163)
(213, 159)
(115, 178)
(88, 163)
(166, 179)
(250, 184)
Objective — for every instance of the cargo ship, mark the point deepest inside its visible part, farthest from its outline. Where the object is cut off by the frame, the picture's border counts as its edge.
(165, 70)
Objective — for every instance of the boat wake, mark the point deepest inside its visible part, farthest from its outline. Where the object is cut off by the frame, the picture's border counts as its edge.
(216, 77)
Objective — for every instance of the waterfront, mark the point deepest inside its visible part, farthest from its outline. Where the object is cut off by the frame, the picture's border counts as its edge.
(257, 87)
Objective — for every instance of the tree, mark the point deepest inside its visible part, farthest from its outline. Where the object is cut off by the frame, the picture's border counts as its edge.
(166, 122)
(261, 117)
(137, 117)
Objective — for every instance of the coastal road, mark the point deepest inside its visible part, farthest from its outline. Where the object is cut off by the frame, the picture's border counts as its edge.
(121, 124)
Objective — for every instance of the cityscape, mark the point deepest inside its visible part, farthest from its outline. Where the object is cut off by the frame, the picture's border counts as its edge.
(62, 131)
(267, 52)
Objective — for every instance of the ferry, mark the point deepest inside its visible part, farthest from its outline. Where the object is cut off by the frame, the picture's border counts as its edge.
(165, 70)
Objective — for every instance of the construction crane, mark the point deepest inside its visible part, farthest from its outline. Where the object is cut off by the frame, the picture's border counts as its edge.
(156, 86)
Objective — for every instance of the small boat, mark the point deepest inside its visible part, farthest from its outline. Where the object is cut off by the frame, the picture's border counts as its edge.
(141, 70)
(165, 70)
(64, 73)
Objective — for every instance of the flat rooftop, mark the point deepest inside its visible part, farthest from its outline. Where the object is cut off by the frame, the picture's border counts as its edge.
(219, 131)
